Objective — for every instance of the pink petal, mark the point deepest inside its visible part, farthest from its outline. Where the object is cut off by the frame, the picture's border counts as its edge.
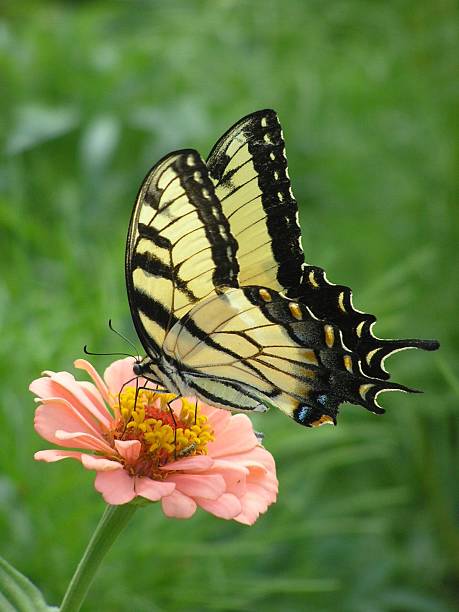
(63, 385)
(79, 439)
(257, 456)
(252, 507)
(50, 456)
(217, 419)
(176, 405)
(233, 474)
(118, 373)
(251, 510)
(93, 395)
(128, 449)
(117, 487)
(56, 413)
(83, 364)
(178, 505)
(227, 506)
(97, 409)
(190, 464)
(236, 437)
(210, 486)
(261, 493)
(100, 464)
(153, 490)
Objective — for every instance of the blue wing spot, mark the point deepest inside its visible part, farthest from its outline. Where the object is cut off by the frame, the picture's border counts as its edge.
(304, 413)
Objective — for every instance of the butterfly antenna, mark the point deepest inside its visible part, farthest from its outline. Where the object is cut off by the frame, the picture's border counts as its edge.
(88, 352)
(125, 338)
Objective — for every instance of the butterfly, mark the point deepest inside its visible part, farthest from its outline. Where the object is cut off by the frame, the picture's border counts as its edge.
(222, 300)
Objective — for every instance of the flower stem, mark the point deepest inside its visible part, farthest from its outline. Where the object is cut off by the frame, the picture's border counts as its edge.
(113, 521)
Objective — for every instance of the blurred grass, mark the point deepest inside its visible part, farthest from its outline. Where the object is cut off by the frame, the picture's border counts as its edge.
(92, 95)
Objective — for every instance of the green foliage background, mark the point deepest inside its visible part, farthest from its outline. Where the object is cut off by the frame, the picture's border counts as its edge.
(92, 94)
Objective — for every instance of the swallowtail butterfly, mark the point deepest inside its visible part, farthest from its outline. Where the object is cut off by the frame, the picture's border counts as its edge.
(222, 300)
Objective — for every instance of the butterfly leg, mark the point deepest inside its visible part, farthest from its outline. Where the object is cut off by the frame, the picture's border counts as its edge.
(175, 429)
(122, 388)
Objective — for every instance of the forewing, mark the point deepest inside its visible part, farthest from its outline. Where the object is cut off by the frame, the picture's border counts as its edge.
(179, 246)
(249, 168)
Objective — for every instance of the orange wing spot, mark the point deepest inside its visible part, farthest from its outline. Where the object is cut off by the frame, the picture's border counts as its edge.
(312, 279)
(348, 363)
(329, 335)
(310, 357)
(323, 420)
(363, 390)
(295, 310)
(341, 301)
(265, 295)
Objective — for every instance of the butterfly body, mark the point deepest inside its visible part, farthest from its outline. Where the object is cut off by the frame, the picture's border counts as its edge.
(222, 300)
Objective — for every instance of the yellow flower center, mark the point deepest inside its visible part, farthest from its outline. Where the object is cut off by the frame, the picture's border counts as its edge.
(164, 436)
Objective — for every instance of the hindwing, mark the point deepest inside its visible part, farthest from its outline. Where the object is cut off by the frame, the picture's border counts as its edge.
(272, 350)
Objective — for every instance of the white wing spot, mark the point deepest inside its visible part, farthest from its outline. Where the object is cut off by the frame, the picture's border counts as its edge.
(264, 122)
(198, 177)
(206, 193)
(312, 279)
(280, 195)
(267, 138)
(359, 328)
(363, 390)
(276, 175)
(272, 156)
(190, 160)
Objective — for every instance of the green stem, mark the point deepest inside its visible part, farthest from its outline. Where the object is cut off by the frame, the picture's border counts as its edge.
(113, 521)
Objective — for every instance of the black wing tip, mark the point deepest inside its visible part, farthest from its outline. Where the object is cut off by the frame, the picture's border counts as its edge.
(259, 113)
(428, 345)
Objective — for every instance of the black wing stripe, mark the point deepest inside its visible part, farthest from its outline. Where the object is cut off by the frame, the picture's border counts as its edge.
(151, 264)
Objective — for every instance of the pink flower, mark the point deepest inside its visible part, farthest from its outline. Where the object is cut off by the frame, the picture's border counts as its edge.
(187, 456)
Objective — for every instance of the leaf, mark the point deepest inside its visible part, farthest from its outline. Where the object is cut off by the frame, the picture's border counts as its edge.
(17, 593)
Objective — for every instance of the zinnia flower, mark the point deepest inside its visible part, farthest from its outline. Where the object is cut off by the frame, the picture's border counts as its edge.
(188, 455)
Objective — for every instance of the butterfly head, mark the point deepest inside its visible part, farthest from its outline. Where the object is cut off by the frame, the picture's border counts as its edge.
(143, 367)
(322, 410)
